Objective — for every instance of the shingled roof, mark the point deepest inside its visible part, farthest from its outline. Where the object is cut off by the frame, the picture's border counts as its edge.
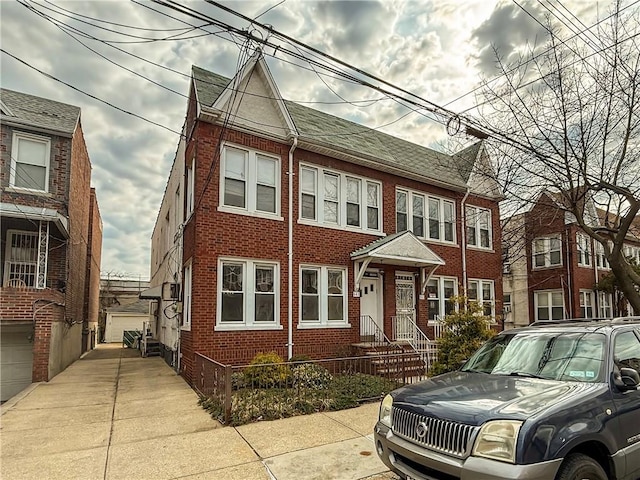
(333, 132)
(41, 113)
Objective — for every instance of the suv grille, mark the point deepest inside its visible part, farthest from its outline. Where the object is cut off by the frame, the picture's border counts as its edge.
(443, 436)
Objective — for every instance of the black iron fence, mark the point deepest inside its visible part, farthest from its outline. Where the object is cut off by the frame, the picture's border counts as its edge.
(238, 394)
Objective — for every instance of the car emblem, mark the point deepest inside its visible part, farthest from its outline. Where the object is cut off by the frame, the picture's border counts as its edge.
(422, 430)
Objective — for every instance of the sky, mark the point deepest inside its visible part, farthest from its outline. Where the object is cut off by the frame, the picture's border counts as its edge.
(438, 49)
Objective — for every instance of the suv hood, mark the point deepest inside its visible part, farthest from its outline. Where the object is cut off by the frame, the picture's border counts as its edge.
(473, 398)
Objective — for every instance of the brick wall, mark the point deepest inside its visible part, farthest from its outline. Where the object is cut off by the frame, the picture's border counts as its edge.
(210, 234)
(92, 275)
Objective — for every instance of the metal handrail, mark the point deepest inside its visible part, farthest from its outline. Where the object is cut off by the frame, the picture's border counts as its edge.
(372, 332)
(418, 340)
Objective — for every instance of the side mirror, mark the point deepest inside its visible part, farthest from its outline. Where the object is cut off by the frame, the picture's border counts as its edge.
(630, 378)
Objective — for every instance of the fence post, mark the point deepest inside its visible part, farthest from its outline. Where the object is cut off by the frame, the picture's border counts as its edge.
(227, 393)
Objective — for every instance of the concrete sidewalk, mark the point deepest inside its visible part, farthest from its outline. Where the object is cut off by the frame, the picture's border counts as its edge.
(113, 415)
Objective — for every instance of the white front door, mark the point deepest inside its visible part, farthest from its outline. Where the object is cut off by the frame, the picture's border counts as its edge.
(405, 307)
(371, 307)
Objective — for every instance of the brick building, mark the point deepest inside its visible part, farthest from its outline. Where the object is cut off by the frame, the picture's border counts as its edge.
(293, 230)
(51, 240)
(553, 266)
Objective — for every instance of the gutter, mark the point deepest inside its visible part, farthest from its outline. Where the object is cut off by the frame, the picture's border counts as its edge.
(290, 173)
(463, 248)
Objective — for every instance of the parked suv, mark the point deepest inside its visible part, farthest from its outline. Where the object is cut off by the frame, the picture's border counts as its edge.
(555, 400)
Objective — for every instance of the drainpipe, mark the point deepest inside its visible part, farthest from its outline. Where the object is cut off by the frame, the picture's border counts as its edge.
(290, 253)
(463, 248)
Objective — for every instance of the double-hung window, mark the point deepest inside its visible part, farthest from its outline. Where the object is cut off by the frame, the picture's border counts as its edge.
(604, 304)
(191, 183)
(333, 198)
(250, 181)
(547, 252)
(21, 259)
(483, 292)
(549, 305)
(478, 222)
(584, 250)
(323, 300)
(426, 216)
(248, 294)
(186, 297)
(30, 156)
(601, 258)
(439, 292)
(586, 304)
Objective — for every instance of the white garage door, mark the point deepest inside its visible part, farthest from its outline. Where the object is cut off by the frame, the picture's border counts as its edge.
(118, 323)
(16, 360)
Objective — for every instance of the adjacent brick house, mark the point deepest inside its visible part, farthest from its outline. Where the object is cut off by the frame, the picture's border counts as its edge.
(51, 240)
(553, 266)
(293, 230)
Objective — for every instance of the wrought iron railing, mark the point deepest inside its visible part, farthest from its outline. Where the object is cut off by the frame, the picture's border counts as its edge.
(370, 332)
(405, 329)
(131, 338)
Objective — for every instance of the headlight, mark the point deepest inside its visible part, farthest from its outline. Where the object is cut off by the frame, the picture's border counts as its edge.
(497, 440)
(385, 410)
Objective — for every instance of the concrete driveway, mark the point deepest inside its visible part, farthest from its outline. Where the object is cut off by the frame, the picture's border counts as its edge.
(113, 415)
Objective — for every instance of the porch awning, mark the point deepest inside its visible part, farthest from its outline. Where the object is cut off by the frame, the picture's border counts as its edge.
(402, 249)
(153, 293)
(36, 213)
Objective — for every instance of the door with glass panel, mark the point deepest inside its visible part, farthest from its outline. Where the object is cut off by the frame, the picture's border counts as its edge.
(405, 307)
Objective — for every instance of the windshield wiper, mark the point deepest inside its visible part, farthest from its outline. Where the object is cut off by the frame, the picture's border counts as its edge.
(474, 371)
(526, 375)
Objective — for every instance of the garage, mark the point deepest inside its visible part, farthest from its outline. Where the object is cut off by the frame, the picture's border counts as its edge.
(16, 359)
(125, 317)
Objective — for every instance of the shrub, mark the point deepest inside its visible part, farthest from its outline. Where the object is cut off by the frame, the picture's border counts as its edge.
(359, 387)
(237, 380)
(267, 370)
(300, 358)
(465, 331)
(310, 375)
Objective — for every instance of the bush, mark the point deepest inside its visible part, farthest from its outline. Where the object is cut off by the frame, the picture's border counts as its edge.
(310, 375)
(268, 370)
(465, 331)
(300, 358)
(350, 389)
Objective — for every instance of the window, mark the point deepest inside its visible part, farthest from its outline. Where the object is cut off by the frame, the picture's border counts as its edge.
(251, 181)
(482, 291)
(586, 304)
(21, 259)
(601, 259)
(604, 301)
(584, 250)
(547, 252)
(632, 253)
(549, 305)
(333, 198)
(427, 217)
(30, 162)
(626, 351)
(323, 300)
(478, 227)
(439, 292)
(506, 303)
(191, 172)
(248, 294)
(187, 295)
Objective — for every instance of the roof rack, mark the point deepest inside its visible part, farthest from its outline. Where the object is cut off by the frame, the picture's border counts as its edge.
(564, 321)
(632, 319)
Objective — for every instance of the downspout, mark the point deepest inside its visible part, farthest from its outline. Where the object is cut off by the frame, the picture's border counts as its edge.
(463, 248)
(290, 253)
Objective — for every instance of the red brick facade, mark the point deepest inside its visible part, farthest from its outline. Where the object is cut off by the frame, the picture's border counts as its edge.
(210, 234)
(70, 296)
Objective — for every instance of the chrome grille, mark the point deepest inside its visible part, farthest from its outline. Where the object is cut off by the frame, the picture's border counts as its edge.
(443, 436)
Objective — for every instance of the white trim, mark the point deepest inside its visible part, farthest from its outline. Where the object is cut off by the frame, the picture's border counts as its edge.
(427, 197)
(343, 177)
(248, 291)
(17, 136)
(549, 307)
(323, 297)
(584, 294)
(480, 289)
(583, 249)
(442, 301)
(476, 226)
(251, 182)
(187, 296)
(546, 252)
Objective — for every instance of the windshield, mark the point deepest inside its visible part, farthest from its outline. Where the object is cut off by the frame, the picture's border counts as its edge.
(573, 356)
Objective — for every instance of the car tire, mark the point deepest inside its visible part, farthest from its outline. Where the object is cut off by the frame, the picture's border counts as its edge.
(578, 466)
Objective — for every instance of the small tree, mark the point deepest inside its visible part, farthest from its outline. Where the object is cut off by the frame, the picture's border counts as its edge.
(465, 330)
